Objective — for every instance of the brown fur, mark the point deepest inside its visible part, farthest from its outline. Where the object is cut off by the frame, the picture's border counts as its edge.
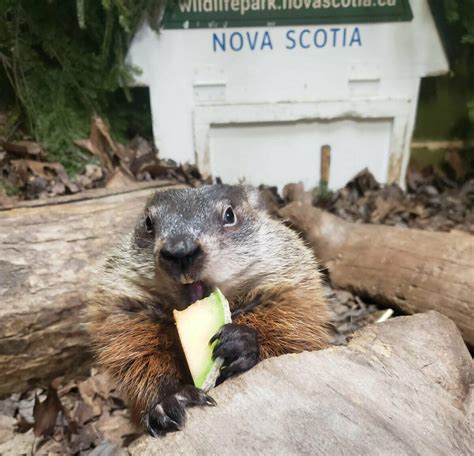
(135, 338)
(289, 321)
(140, 355)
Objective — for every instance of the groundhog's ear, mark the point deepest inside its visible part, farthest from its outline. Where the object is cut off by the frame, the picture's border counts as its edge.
(254, 197)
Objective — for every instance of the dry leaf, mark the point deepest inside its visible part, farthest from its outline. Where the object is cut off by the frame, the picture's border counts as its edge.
(94, 392)
(98, 142)
(363, 182)
(57, 188)
(98, 124)
(85, 439)
(96, 149)
(382, 209)
(7, 426)
(125, 154)
(118, 179)
(149, 163)
(30, 169)
(113, 427)
(457, 164)
(23, 148)
(82, 413)
(94, 172)
(141, 147)
(61, 173)
(21, 169)
(46, 412)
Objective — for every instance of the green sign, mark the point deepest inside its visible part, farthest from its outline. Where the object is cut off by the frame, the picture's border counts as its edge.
(251, 13)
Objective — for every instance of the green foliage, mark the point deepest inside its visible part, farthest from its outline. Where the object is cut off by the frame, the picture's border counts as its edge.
(8, 189)
(63, 60)
(461, 13)
(322, 193)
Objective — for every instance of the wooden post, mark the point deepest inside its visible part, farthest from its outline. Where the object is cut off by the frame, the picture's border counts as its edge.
(325, 165)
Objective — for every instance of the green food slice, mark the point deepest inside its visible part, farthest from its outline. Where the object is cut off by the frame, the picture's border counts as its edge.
(196, 325)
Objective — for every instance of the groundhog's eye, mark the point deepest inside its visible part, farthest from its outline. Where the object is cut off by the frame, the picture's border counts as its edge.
(149, 224)
(228, 217)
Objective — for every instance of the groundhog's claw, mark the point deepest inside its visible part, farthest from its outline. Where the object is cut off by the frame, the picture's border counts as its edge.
(170, 414)
(238, 346)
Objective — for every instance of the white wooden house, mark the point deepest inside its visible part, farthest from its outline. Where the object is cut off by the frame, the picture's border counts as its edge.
(257, 102)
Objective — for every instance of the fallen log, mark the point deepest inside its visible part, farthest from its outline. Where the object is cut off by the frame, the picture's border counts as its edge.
(47, 253)
(46, 258)
(399, 387)
(409, 269)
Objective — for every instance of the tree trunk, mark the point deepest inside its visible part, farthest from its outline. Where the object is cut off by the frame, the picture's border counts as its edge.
(412, 270)
(47, 253)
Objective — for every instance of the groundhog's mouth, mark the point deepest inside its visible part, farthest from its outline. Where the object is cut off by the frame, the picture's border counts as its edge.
(195, 290)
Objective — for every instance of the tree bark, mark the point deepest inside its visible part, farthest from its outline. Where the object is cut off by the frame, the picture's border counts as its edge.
(47, 254)
(409, 269)
(399, 388)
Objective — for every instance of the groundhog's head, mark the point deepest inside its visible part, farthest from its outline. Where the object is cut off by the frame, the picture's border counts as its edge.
(202, 238)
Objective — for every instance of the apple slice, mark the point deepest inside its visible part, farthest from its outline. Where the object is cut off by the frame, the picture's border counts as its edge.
(196, 325)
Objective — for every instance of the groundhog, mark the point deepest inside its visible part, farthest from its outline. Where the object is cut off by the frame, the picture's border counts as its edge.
(186, 242)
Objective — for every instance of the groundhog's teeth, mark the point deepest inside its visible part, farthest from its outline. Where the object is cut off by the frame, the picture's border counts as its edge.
(185, 280)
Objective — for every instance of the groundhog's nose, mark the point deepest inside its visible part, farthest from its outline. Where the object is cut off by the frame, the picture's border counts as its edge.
(180, 253)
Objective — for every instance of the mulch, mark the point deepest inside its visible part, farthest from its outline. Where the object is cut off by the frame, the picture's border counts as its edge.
(431, 202)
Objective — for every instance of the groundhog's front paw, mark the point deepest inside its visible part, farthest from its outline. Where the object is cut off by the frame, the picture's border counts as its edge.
(169, 414)
(238, 346)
